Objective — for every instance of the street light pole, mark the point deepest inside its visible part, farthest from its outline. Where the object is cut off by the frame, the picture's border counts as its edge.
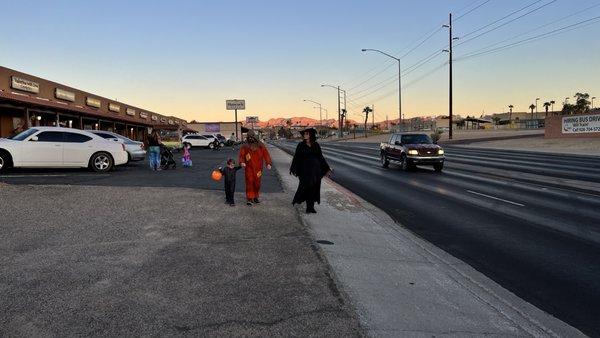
(593, 98)
(320, 111)
(399, 83)
(536, 105)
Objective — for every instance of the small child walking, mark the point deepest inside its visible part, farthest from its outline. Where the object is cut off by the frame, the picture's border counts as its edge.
(186, 159)
(229, 173)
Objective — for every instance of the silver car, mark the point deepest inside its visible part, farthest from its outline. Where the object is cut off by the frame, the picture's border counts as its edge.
(135, 150)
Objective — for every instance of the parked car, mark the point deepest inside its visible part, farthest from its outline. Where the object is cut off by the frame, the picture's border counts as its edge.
(194, 140)
(56, 147)
(410, 150)
(218, 137)
(135, 149)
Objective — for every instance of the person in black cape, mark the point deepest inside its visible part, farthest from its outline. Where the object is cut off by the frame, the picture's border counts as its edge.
(309, 166)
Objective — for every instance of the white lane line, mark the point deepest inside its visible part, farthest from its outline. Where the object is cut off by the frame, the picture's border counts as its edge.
(495, 198)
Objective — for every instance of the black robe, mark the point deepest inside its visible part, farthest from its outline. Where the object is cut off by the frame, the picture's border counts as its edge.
(309, 166)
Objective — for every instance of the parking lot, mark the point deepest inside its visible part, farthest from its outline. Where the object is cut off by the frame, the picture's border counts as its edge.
(139, 174)
(86, 255)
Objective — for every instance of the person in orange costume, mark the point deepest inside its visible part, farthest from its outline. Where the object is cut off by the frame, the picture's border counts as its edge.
(253, 154)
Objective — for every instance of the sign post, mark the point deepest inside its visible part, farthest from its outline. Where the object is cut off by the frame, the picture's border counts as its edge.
(252, 120)
(235, 105)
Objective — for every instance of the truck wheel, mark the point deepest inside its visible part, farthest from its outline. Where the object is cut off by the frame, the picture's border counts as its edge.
(404, 164)
(384, 161)
(438, 167)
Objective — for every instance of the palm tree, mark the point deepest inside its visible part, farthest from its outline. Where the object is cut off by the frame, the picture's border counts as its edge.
(552, 103)
(366, 110)
(546, 105)
(532, 107)
(510, 115)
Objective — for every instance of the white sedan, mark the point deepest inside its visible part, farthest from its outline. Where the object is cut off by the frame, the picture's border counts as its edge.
(54, 147)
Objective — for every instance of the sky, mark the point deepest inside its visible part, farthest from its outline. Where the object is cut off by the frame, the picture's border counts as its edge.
(185, 58)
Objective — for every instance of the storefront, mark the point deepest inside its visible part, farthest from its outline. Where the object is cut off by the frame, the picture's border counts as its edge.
(28, 101)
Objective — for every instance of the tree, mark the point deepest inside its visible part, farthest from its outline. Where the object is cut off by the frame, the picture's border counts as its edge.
(532, 107)
(552, 103)
(510, 114)
(366, 110)
(581, 106)
(496, 119)
(547, 105)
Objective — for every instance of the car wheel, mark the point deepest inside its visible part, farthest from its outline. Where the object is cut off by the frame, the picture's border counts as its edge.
(221, 144)
(404, 164)
(101, 162)
(5, 161)
(438, 167)
(211, 145)
(384, 161)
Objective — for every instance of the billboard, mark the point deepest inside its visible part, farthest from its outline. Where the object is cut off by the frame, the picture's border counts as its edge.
(212, 127)
(581, 124)
(235, 104)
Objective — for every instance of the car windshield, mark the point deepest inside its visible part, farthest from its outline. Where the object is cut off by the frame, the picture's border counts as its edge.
(24, 135)
(416, 139)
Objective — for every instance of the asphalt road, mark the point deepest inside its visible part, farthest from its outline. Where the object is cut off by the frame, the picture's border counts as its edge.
(530, 222)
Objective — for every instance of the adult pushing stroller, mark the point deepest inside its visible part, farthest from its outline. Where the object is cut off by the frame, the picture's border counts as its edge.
(166, 158)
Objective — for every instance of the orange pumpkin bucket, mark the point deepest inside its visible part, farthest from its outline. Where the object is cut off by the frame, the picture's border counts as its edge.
(216, 175)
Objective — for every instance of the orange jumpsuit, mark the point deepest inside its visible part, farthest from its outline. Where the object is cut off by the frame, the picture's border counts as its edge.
(253, 155)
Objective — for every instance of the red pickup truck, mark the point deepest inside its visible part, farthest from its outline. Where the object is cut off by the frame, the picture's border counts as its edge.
(410, 150)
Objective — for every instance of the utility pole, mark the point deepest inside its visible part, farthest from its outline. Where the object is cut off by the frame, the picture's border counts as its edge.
(340, 134)
(450, 40)
(373, 117)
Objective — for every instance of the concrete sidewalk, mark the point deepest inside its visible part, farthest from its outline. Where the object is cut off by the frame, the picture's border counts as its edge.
(404, 286)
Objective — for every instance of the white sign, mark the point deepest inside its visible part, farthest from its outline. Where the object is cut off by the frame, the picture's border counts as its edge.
(236, 104)
(64, 95)
(130, 111)
(581, 124)
(251, 119)
(114, 107)
(24, 85)
(143, 115)
(92, 102)
(154, 118)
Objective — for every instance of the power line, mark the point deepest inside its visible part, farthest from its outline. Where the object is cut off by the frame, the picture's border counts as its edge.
(473, 9)
(422, 42)
(506, 23)
(535, 29)
(370, 78)
(502, 18)
(535, 38)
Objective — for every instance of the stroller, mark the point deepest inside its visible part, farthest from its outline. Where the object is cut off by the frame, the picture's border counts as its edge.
(166, 158)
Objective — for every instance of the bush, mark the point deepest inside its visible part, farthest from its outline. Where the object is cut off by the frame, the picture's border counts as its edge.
(436, 136)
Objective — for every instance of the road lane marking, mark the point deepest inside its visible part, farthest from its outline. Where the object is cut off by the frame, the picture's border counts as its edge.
(495, 198)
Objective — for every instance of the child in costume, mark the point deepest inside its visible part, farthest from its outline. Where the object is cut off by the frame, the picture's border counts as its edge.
(186, 159)
(253, 155)
(229, 173)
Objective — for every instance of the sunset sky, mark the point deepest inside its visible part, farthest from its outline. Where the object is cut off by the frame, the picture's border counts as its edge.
(185, 58)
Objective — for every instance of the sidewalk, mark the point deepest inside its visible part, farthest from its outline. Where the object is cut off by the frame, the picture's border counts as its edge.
(404, 286)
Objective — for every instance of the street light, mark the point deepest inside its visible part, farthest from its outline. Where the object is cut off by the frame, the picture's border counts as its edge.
(399, 82)
(320, 110)
(593, 98)
(339, 108)
(536, 105)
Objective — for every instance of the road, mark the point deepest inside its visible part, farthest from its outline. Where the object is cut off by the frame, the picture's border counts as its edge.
(530, 222)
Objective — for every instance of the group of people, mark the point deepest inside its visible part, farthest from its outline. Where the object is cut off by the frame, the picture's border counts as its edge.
(308, 164)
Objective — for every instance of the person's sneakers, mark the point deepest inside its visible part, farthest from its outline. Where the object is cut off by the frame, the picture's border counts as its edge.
(249, 203)
(256, 201)
(311, 211)
(232, 204)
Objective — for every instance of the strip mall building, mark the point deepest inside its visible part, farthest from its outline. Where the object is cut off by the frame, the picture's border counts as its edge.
(27, 101)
